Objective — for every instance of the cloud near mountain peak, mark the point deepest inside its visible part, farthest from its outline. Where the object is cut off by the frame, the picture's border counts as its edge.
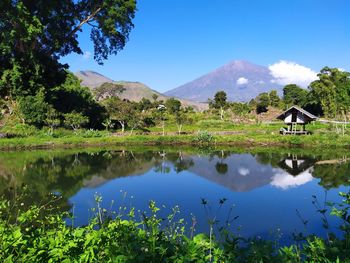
(242, 81)
(286, 72)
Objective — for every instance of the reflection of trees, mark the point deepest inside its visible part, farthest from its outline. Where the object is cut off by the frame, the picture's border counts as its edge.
(66, 174)
(332, 175)
(269, 158)
(221, 167)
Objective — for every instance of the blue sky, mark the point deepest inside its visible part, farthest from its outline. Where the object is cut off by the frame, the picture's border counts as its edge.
(176, 41)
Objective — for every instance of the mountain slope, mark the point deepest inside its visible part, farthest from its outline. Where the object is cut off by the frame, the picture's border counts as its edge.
(91, 79)
(134, 91)
(241, 80)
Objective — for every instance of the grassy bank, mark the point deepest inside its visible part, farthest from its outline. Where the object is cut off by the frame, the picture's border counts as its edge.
(239, 139)
(219, 134)
(38, 234)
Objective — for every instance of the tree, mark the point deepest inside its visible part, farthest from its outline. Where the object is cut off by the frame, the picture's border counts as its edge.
(240, 109)
(173, 105)
(119, 110)
(154, 97)
(71, 96)
(161, 116)
(34, 108)
(332, 90)
(107, 90)
(34, 35)
(52, 119)
(294, 95)
(274, 99)
(219, 102)
(75, 120)
(145, 104)
(263, 102)
(182, 117)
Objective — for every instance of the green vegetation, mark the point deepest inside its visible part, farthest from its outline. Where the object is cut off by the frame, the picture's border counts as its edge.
(221, 132)
(39, 234)
(39, 97)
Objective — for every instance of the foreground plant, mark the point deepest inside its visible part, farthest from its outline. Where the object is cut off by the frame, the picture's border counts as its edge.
(39, 234)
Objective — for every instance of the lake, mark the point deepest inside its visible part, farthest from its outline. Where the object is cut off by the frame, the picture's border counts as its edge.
(267, 193)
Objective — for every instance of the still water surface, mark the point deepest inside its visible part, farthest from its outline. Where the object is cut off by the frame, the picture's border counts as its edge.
(269, 193)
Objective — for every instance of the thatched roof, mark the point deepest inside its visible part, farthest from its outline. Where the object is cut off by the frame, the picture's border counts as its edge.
(296, 108)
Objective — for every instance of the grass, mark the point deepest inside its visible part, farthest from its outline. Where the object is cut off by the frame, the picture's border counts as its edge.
(223, 133)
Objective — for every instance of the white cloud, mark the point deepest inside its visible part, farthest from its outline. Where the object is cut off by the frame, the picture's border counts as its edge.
(87, 55)
(242, 81)
(243, 171)
(286, 72)
(284, 180)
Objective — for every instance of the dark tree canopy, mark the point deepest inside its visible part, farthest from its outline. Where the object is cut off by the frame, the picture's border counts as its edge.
(220, 99)
(263, 102)
(35, 34)
(294, 95)
(173, 105)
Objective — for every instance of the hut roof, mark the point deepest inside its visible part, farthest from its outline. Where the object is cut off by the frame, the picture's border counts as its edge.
(296, 108)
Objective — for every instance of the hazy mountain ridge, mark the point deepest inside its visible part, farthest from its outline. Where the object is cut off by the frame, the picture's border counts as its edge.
(241, 80)
(134, 91)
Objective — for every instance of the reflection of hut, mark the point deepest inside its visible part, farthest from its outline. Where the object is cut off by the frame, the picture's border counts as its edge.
(295, 166)
(294, 116)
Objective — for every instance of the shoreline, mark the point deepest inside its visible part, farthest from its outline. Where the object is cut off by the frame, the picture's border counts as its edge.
(324, 141)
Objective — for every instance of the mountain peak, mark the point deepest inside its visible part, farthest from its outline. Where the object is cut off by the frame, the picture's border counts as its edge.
(240, 79)
(241, 65)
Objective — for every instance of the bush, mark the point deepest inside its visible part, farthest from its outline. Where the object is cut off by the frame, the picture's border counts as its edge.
(203, 137)
(91, 133)
(19, 130)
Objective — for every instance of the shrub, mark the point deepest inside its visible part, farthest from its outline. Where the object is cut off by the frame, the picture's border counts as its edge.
(203, 137)
(34, 108)
(91, 133)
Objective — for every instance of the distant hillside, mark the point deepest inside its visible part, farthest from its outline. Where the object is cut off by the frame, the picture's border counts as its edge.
(92, 79)
(134, 91)
(241, 80)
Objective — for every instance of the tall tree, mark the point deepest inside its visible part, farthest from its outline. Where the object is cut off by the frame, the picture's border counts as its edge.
(332, 89)
(219, 102)
(274, 98)
(34, 35)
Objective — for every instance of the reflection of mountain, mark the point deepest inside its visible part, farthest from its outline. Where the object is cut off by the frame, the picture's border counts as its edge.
(244, 172)
(67, 172)
(138, 167)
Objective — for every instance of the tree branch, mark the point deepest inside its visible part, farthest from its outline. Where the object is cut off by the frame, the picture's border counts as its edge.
(84, 21)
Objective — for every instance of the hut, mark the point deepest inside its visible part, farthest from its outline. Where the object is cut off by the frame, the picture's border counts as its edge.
(293, 117)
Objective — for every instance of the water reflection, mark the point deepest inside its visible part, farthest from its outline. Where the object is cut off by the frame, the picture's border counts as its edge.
(66, 172)
(266, 185)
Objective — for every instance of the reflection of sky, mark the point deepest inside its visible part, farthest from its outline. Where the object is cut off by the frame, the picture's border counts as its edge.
(283, 180)
(265, 198)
